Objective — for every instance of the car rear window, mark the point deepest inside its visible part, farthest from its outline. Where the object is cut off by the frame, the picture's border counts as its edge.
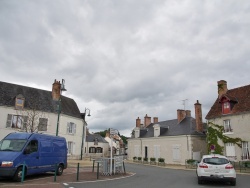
(216, 161)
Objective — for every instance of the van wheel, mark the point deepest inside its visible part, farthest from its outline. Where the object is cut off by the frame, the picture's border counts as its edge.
(18, 174)
(59, 170)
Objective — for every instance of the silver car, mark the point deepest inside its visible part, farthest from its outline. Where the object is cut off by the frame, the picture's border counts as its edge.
(215, 167)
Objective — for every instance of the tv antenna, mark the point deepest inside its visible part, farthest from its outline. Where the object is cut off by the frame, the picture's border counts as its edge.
(184, 103)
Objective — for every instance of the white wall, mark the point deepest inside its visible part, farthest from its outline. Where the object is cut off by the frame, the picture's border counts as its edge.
(174, 149)
(241, 129)
(51, 128)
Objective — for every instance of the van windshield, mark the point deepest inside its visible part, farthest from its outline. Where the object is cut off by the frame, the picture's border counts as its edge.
(12, 145)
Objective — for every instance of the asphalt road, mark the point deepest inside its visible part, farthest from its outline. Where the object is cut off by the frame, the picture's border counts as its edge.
(156, 177)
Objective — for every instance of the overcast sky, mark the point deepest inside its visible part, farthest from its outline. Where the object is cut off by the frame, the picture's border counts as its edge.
(123, 59)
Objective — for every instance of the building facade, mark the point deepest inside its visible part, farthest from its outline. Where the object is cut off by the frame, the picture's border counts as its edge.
(174, 140)
(29, 109)
(232, 111)
(96, 146)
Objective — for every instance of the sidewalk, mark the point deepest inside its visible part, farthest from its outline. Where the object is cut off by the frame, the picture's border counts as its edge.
(69, 175)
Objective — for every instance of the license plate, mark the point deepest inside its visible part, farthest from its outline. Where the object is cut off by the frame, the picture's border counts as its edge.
(218, 176)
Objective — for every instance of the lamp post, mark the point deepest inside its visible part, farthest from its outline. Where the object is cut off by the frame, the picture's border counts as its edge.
(62, 88)
(83, 129)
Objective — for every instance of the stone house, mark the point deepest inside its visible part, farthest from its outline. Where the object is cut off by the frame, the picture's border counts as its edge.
(232, 110)
(174, 140)
(34, 110)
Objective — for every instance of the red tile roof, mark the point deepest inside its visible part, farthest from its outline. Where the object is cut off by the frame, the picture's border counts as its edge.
(240, 95)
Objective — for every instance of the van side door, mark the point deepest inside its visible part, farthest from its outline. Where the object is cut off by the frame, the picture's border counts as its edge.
(31, 157)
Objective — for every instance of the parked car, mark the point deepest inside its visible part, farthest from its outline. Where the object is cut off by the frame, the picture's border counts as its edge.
(215, 167)
(37, 153)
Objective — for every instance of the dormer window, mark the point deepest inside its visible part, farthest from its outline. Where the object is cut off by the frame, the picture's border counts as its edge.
(19, 105)
(226, 108)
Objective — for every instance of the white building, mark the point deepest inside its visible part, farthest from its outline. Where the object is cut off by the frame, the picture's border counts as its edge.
(232, 110)
(34, 110)
(174, 140)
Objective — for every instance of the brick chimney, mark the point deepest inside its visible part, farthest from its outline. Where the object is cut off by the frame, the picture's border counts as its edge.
(155, 119)
(56, 90)
(147, 120)
(188, 113)
(222, 88)
(198, 117)
(138, 122)
(181, 114)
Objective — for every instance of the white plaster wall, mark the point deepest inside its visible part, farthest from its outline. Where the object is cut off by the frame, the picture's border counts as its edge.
(166, 144)
(105, 147)
(241, 128)
(51, 128)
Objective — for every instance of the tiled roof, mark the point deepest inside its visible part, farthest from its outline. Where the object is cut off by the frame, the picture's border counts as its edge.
(241, 98)
(172, 128)
(39, 99)
(92, 137)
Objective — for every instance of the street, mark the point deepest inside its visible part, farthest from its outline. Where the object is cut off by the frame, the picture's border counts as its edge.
(152, 177)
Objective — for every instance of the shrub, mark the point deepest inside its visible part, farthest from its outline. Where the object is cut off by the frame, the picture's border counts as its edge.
(191, 161)
(145, 159)
(134, 158)
(152, 159)
(161, 160)
(139, 158)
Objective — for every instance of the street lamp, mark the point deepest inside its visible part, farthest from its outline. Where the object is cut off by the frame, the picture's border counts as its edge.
(62, 88)
(83, 129)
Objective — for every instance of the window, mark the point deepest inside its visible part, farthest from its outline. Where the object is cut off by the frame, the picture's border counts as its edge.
(70, 147)
(96, 141)
(92, 150)
(98, 150)
(137, 150)
(19, 102)
(227, 126)
(225, 107)
(16, 121)
(71, 128)
(42, 126)
(245, 151)
(156, 151)
(33, 146)
(230, 151)
(215, 161)
(176, 153)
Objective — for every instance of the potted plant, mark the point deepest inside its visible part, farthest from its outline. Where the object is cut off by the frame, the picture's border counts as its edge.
(139, 159)
(134, 158)
(145, 160)
(191, 163)
(152, 160)
(161, 161)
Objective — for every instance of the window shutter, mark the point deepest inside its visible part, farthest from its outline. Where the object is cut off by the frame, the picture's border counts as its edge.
(68, 126)
(74, 128)
(73, 150)
(9, 118)
(24, 125)
(43, 123)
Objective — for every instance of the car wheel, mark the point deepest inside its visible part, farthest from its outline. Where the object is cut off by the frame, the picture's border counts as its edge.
(18, 174)
(59, 170)
(233, 183)
(199, 181)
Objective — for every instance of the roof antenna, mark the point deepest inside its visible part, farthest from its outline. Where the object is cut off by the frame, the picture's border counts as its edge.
(184, 103)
